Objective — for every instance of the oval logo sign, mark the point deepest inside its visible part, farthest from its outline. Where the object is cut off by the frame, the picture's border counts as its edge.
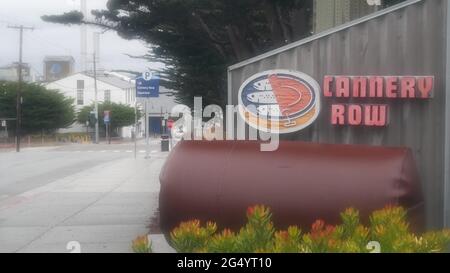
(282, 101)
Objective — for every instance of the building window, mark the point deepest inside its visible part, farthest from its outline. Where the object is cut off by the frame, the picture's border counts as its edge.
(80, 92)
(107, 95)
(80, 84)
(80, 97)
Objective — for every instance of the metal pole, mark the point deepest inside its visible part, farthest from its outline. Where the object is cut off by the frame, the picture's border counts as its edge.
(135, 129)
(83, 37)
(446, 187)
(147, 149)
(19, 95)
(169, 132)
(162, 122)
(107, 133)
(19, 87)
(96, 101)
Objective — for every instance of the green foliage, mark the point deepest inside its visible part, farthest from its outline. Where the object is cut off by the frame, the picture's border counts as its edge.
(142, 245)
(121, 115)
(72, 17)
(198, 39)
(288, 241)
(190, 236)
(224, 242)
(43, 110)
(391, 230)
(257, 234)
(387, 227)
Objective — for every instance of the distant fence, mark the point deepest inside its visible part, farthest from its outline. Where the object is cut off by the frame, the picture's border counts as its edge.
(33, 140)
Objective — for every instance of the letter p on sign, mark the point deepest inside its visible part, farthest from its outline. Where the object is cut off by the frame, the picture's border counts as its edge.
(147, 75)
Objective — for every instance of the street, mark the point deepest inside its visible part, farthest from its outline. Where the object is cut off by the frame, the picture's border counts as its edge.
(99, 196)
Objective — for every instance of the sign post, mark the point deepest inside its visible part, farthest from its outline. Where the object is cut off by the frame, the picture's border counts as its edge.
(135, 129)
(147, 142)
(5, 126)
(169, 131)
(147, 86)
(107, 121)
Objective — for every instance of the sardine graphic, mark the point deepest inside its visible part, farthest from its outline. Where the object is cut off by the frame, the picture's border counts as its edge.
(272, 110)
(292, 96)
(262, 97)
(263, 85)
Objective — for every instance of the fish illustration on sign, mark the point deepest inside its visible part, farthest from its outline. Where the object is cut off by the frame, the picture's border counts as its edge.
(263, 85)
(284, 99)
(272, 110)
(262, 97)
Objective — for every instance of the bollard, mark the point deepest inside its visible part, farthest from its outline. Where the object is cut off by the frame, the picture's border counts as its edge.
(165, 143)
(300, 182)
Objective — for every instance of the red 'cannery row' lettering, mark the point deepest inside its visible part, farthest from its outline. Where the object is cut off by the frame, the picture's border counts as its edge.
(355, 114)
(374, 87)
(404, 87)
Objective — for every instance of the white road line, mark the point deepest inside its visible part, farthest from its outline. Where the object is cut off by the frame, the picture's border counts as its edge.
(116, 151)
(103, 151)
(142, 151)
(153, 152)
(128, 151)
(90, 151)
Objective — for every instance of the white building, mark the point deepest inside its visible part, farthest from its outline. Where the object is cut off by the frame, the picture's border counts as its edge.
(11, 73)
(111, 86)
(114, 87)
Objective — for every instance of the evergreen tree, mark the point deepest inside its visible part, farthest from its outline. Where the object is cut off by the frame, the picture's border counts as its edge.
(198, 39)
(43, 110)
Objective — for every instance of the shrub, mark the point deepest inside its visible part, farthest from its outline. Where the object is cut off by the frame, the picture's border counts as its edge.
(288, 241)
(224, 242)
(142, 245)
(257, 234)
(191, 237)
(388, 227)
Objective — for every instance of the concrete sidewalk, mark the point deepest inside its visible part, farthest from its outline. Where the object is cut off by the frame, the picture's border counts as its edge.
(103, 208)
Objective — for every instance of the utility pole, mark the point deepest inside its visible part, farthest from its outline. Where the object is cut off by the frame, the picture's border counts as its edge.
(96, 100)
(135, 128)
(83, 36)
(21, 28)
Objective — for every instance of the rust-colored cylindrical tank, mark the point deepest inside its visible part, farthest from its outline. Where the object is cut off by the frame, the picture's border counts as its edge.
(300, 182)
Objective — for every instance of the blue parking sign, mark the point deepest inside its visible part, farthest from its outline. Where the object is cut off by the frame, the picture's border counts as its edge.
(147, 88)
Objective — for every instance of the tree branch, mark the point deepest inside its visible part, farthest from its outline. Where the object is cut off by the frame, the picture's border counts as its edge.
(217, 44)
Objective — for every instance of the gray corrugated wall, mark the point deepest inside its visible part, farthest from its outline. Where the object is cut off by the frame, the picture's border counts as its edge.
(408, 41)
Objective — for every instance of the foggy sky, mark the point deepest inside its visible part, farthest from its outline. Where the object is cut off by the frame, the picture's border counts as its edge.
(55, 39)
